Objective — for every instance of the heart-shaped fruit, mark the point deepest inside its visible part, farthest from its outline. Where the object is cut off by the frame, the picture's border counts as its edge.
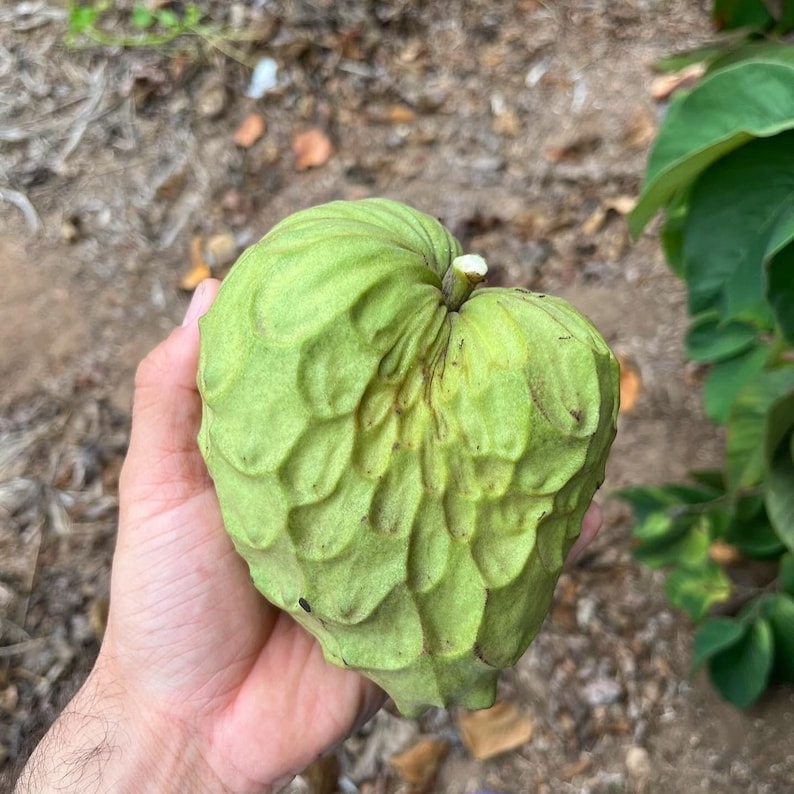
(403, 461)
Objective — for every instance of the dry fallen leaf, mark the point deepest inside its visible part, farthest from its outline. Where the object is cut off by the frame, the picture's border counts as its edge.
(494, 731)
(623, 205)
(667, 84)
(578, 767)
(400, 114)
(639, 130)
(418, 764)
(322, 776)
(724, 553)
(198, 270)
(630, 384)
(220, 249)
(574, 150)
(249, 131)
(595, 221)
(311, 149)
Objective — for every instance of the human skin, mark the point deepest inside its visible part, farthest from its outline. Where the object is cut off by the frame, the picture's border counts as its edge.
(200, 685)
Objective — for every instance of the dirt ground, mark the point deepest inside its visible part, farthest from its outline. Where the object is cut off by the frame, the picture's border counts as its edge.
(524, 126)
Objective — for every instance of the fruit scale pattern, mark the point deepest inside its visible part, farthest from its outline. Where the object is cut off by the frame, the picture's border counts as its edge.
(403, 462)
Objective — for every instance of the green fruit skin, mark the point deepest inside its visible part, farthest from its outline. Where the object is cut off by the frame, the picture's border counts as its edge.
(404, 480)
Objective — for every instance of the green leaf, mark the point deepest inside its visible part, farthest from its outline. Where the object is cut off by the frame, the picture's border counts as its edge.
(750, 530)
(696, 589)
(141, 17)
(81, 18)
(745, 460)
(741, 671)
(715, 635)
(685, 543)
(730, 14)
(786, 16)
(726, 109)
(709, 340)
(780, 290)
(786, 573)
(767, 50)
(711, 478)
(168, 19)
(779, 611)
(645, 500)
(727, 378)
(779, 495)
(192, 15)
(672, 232)
(734, 210)
(779, 426)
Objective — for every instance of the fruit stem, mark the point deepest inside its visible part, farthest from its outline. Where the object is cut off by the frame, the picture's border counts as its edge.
(462, 276)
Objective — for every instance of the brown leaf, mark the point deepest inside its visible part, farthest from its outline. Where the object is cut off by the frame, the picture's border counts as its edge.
(639, 129)
(494, 731)
(198, 270)
(574, 150)
(667, 84)
(595, 221)
(630, 384)
(311, 149)
(623, 205)
(400, 114)
(578, 767)
(322, 776)
(724, 553)
(220, 249)
(418, 764)
(249, 131)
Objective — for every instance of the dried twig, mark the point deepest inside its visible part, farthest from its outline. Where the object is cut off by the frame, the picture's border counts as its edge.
(24, 205)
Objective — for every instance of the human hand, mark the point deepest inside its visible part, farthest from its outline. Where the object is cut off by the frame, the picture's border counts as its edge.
(187, 632)
(199, 679)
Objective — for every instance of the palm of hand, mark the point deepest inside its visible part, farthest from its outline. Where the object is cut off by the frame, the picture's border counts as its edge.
(187, 633)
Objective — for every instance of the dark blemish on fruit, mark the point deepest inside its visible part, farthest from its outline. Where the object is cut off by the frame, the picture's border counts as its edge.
(395, 446)
(304, 605)
(564, 337)
(521, 289)
(577, 415)
(477, 651)
(364, 519)
(460, 344)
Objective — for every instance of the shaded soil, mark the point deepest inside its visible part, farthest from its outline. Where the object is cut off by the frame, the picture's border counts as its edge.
(521, 125)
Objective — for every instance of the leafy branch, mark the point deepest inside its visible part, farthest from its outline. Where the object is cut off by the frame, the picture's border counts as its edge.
(722, 172)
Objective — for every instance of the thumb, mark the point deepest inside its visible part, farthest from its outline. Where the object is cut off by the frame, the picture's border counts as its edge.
(163, 465)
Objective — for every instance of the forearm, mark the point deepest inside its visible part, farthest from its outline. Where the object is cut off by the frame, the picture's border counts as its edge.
(97, 745)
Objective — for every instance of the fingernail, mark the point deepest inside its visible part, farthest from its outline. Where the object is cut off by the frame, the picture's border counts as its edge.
(195, 306)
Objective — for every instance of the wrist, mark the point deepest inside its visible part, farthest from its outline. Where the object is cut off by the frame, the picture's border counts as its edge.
(106, 742)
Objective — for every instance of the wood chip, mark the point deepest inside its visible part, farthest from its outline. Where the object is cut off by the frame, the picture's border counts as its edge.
(494, 731)
(630, 384)
(418, 764)
(322, 776)
(640, 129)
(666, 85)
(312, 149)
(249, 131)
(198, 270)
(724, 553)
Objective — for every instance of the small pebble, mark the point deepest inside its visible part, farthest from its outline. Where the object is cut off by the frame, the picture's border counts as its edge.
(263, 78)
(638, 763)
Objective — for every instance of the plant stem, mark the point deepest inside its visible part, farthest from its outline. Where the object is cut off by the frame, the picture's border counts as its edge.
(462, 276)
